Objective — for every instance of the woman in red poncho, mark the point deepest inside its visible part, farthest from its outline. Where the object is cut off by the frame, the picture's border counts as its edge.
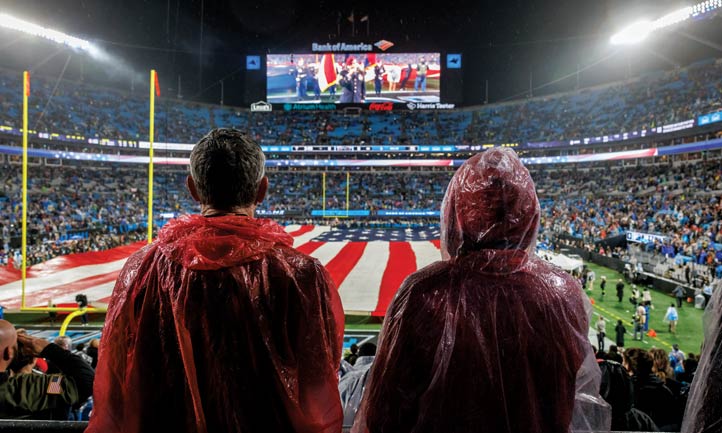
(491, 339)
(220, 325)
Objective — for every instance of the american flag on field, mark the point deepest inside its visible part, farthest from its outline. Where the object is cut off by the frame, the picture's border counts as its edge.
(367, 265)
(54, 385)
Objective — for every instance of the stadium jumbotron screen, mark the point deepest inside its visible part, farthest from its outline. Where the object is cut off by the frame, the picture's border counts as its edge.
(353, 78)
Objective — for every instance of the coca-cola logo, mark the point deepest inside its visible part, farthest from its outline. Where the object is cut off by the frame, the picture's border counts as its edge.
(381, 106)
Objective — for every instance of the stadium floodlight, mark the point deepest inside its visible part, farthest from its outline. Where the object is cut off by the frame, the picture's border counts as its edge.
(13, 23)
(639, 31)
(633, 34)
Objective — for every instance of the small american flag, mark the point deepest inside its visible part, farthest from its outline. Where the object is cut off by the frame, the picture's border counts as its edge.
(54, 385)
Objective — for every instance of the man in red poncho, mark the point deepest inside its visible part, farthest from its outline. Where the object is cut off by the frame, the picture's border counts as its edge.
(220, 325)
(491, 339)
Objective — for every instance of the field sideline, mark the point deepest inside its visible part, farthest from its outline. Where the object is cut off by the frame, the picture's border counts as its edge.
(689, 329)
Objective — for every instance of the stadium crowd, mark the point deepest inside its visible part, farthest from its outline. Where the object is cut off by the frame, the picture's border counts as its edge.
(74, 209)
(642, 103)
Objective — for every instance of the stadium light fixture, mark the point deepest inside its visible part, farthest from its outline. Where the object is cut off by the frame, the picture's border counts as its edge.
(632, 34)
(10, 22)
(639, 31)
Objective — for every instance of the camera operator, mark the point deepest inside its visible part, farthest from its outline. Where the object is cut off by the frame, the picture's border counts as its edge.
(38, 396)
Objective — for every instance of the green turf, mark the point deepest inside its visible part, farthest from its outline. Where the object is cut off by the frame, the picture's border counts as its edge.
(689, 327)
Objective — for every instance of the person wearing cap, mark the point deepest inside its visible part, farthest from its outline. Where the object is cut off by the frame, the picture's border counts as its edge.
(490, 336)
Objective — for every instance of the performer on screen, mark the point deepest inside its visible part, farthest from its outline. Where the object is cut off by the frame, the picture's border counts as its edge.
(406, 77)
(421, 70)
(313, 77)
(379, 72)
(301, 80)
(394, 77)
(353, 84)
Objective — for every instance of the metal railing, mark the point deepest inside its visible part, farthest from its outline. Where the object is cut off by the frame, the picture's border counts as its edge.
(23, 426)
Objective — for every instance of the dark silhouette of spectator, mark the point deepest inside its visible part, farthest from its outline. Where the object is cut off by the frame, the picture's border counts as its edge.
(491, 335)
(353, 354)
(220, 325)
(690, 368)
(613, 354)
(664, 371)
(93, 351)
(620, 332)
(617, 389)
(620, 290)
(651, 395)
(352, 385)
(82, 301)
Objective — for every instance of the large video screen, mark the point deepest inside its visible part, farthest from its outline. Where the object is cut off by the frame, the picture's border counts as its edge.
(353, 78)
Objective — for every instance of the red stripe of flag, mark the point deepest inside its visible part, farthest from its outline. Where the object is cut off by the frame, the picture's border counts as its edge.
(346, 259)
(402, 263)
(41, 297)
(309, 247)
(437, 243)
(63, 263)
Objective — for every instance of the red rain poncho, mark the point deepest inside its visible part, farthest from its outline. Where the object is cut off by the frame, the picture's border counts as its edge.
(220, 326)
(491, 339)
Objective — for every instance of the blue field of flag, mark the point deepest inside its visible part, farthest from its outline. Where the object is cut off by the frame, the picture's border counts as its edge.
(387, 235)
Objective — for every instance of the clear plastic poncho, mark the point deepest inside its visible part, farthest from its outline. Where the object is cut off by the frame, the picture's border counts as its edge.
(491, 338)
(220, 326)
(704, 406)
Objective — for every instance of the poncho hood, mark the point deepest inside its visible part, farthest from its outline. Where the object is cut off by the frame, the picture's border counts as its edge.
(209, 243)
(490, 204)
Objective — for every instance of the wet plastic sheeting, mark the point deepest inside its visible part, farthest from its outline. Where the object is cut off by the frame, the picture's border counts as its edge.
(491, 339)
(220, 325)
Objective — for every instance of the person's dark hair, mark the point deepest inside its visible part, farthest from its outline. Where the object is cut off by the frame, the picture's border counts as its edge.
(616, 388)
(613, 349)
(354, 348)
(639, 361)
(367, 349)
(227, 167)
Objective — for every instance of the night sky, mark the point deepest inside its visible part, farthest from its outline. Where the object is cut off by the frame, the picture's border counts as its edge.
(506, 43)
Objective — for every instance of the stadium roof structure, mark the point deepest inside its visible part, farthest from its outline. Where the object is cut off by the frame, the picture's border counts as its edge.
(554, 45)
